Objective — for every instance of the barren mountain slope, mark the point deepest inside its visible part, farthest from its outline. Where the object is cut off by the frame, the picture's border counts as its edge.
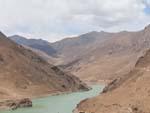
(25, 74)
(128, 94)
(100, 56)
(73, 49)
(106, 56)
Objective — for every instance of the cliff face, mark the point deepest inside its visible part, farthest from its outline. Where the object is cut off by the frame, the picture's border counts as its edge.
(25, 74)
(129, 94)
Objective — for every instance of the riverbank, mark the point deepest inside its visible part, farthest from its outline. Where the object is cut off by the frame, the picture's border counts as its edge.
(59, 93)
(64, 103)
(7, 104)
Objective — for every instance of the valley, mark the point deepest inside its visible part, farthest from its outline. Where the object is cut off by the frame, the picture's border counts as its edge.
(74, 56)
(97, 56)
(24, 74)
(120, 60)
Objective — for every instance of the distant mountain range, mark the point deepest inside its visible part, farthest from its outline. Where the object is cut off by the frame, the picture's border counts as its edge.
(97, 56)
(24, 74)
(39, 44)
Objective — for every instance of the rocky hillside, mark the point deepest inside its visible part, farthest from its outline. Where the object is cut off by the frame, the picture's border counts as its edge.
(73, 49)
(128, 94)
(25, 74)
(97, 56)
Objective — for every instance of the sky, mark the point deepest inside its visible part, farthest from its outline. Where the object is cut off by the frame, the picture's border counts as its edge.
(53, 20)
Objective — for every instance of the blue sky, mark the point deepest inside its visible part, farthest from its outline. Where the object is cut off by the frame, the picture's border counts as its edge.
(53, 20)
(147, 10)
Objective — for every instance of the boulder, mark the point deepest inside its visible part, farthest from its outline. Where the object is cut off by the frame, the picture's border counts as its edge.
(14, 104)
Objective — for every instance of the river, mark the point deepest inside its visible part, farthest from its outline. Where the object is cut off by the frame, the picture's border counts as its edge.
(64, 103)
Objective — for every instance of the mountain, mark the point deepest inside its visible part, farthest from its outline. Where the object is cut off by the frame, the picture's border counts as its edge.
(38, 44)
(101, 56)
(24, 74)
(74, 48)
(127, 94)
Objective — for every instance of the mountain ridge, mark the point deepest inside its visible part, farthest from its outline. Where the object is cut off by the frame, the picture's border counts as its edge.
(38, 44)
(103, 55)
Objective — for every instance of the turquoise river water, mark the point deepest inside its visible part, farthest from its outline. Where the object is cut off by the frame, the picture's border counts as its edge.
(64, 103)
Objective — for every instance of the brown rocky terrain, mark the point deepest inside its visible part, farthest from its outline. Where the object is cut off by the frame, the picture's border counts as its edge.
(24, 74)
(100, 56)
(127, 94)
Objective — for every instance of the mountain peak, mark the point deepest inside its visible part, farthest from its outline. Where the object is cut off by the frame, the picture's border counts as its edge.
(17, 37)
(147, 27)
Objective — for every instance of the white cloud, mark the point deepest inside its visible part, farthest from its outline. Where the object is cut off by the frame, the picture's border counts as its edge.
(54, 19)
(147, 2)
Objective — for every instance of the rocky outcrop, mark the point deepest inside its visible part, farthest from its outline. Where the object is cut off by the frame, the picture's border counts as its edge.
(22, 103)
(14, 104)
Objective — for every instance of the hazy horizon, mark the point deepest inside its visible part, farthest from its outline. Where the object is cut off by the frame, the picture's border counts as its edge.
(74, 36)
